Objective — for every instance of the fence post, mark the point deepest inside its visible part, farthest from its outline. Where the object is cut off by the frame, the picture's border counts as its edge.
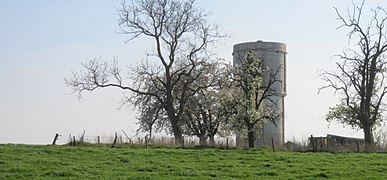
(74, 143)
(55, 138)
(272, 144)
(82, 137)
(358, 146)
(115, 141)
(227, 142)
(146, 142)
(312, 142)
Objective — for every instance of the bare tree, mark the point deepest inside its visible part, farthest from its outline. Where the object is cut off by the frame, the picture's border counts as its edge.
(360, 76)
(181, 36)
(253, 100)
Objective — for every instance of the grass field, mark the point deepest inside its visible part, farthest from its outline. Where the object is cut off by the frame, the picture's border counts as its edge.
(102, 162)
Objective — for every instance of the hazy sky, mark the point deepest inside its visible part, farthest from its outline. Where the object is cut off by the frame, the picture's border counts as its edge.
(41, 42)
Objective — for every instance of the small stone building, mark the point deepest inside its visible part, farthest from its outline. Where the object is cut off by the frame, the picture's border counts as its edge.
(336, 143)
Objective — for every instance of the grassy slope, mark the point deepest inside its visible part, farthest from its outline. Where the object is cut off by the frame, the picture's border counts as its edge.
(102, 162)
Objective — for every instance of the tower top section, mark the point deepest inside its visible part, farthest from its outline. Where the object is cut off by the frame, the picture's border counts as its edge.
(261, 46)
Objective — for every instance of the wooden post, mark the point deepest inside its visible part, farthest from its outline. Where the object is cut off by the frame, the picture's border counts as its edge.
(115, 141)
(272, 144)
(83, 136)
(226, 143)
(146, 142)
(182, 143)
(312, 143)
(99, 140)
(358, 146)
(55, 138)
(74, 143)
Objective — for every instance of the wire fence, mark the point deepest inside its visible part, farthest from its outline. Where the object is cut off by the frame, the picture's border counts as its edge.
(315, 144)
(123, 138)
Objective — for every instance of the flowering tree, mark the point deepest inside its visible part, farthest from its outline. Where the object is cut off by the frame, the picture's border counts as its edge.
(253, 101)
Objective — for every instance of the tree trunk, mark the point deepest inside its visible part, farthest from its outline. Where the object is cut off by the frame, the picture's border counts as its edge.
(150, 133)
(251, 138)
(368, 139)
(177, 134)
(202, 140)
(212, 140)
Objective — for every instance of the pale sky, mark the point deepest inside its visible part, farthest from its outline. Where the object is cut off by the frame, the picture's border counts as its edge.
(42, 41)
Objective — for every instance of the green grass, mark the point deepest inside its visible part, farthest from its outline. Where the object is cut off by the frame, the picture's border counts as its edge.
(102, 162)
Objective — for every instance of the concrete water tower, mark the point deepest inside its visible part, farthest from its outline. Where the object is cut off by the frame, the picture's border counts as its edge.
(273, 55)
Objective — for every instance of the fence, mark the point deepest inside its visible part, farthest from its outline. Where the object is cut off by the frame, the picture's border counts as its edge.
(123, 138)
(331, 143)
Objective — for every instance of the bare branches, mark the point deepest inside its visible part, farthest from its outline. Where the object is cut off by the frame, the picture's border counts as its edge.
(181, 36)
(176, 26)
(360, 78)
(97, 74)
(100, 74)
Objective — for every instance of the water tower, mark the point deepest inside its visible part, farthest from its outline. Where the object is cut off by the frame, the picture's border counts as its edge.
(273, 55)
